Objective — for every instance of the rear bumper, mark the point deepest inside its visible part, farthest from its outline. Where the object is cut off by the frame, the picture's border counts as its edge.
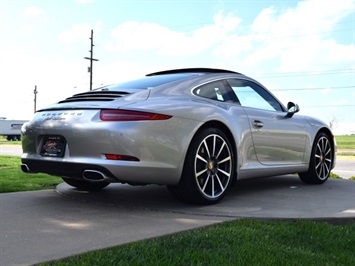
(113, 171)
(65, 169)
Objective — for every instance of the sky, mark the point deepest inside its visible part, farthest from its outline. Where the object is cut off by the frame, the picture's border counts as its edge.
(302, 51)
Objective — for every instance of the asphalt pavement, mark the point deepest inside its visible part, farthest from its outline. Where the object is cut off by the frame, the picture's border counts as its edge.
(12, 150)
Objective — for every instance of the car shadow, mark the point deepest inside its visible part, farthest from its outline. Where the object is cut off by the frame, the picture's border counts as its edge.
(274, 197)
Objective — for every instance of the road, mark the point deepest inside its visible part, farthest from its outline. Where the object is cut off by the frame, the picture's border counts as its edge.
(345, 167)
(12, 150)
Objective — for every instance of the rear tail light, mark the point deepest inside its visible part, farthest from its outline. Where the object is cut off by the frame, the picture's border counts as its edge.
(128, 115)
(119, 157)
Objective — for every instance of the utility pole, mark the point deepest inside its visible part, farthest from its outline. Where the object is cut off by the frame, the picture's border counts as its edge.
(35, 99)
(91, 57)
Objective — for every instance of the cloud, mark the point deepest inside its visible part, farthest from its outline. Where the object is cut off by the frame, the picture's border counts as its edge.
(79, 32)
(135, 35)
(294, 39)
(234, 46)
(76, 33)
(284, 39)
(326, 91)
(84, 1)
(299, 38)
(34, 17)
(226, 23)
(28, 28)
(264, 21)
(48, 76)
(33, 12)
(315, 53)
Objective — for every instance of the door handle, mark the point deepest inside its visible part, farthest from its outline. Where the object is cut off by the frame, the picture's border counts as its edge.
(257, 124)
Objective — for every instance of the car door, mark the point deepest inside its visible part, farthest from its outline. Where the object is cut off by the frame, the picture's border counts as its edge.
(278, 140)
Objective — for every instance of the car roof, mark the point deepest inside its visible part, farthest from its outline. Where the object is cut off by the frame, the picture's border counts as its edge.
(193, 70)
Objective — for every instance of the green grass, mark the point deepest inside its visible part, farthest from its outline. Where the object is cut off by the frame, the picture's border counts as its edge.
(240, 242)
(336, 176)
(345, 141)
(12, 179)
(333, 175)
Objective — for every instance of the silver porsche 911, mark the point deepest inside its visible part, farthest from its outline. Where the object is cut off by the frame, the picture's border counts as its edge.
(196, 130)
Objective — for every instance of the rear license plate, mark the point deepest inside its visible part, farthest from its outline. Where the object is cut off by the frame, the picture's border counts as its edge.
(53, 146)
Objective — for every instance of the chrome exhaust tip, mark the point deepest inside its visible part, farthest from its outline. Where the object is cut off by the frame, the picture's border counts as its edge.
(94, 175)
(25, 168)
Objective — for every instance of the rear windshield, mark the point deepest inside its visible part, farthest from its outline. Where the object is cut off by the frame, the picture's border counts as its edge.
(148, 81)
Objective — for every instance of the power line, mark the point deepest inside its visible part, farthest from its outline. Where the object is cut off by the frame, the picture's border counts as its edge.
(307, 73)
(338, 106)
(311, 89)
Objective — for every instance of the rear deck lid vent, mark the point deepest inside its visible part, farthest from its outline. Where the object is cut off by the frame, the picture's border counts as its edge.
(93, 96)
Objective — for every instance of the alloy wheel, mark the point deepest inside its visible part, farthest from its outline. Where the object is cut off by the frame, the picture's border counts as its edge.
(213, 166)
(323, 158)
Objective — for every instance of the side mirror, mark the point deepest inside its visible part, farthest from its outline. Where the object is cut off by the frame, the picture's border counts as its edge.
(292, 108)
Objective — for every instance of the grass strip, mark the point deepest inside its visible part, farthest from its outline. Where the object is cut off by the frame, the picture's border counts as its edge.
(240, 242)
(12, 179)
(345, 142)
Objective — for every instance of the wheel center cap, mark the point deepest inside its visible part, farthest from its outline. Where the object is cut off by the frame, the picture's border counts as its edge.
(322, 157)
(210, 165)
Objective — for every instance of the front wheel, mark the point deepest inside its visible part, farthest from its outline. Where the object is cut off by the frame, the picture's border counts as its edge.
(85, 185)
(208, 168)
(321, 161)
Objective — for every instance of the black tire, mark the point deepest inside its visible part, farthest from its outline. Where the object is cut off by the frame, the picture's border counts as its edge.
(85, 185)
(321, 161)
(208, 169)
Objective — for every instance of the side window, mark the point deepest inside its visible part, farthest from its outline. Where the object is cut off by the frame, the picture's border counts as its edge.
(252, 95)
(214, 91)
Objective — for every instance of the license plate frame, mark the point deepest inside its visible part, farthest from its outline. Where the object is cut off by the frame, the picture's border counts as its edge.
(53, 146)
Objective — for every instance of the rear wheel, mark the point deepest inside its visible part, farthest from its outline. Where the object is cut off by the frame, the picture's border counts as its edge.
(321, 161)
(208, 169)
(85, 185)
